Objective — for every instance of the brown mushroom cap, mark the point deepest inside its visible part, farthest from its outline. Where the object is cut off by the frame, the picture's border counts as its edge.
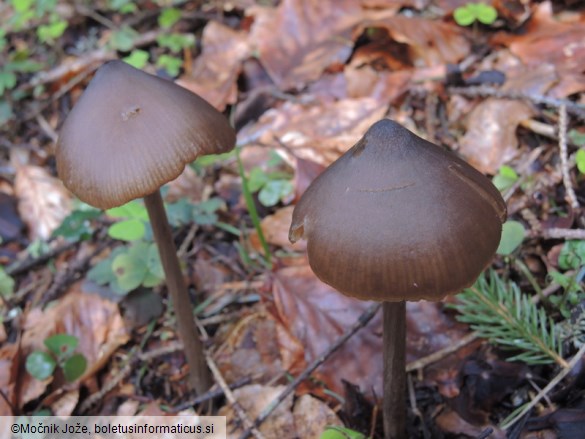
(397, 218)
(131, 132)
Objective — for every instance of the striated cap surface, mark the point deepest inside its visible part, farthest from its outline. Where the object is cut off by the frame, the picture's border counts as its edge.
(397, 218)
(131, 132)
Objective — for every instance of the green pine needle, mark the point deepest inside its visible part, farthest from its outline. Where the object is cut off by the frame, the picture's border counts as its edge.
(499, 312)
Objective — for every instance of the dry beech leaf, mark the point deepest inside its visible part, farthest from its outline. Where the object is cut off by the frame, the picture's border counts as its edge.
(43, 201)
(450, 422)
(549, 40)
(252, 349)
(490, 140)
(215, 72)
(9, 363)
(95, 322)
(320, 132)
(312, 416)
(253, 399)
(317, 315)
(297, 41)
(430, 42)
(275, 228)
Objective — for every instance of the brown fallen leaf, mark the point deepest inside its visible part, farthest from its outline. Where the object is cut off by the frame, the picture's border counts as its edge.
(429, 42)
(253, 399)
(450, 422)
(298, 40)
(311, 416)
(490, 140)
(95, 322)
(547, 39)
(215, 72)
(43, 201)
(319, 132)
(9, 364)
(275, 228)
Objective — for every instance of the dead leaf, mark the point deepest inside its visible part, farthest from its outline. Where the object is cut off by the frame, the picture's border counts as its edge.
(317, 315)
(253, 399)
(320, 132)
(251, 349)
(429, 42)
(95, 322)
(312, 416)
(550, 40)
(43, 201)
(215, 71)
(450, 422)
(275, 228)
(297, 41)
(9, 364)
(490, 140)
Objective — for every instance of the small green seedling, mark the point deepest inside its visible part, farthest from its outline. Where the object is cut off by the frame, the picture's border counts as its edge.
(471, 12)
(6, 284)
(60, 352)
(505, 178)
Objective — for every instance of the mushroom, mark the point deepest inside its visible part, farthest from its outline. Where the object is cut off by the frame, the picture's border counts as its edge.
(397, 218)
(129, 134)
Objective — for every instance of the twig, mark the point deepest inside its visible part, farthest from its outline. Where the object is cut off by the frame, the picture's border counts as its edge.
(436, 356)
(210, 394)
(483, 90)
(360, 323)
(563, 123)
(556, 380)
(556, 233)
(240, 412)
(27, 264)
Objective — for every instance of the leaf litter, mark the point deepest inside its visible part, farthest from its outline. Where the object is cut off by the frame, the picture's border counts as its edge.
(304, 79)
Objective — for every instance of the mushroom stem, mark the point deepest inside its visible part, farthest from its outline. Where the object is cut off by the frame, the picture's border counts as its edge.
(394, 403)
(199, 376)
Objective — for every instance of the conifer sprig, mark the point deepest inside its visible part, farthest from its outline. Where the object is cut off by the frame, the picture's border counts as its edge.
(499, 312)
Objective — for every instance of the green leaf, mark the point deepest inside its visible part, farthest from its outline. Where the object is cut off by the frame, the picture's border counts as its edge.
(21, 5)
(580, 160)
(102, 272)
(336, 432)
(62, 345)
(577, 137)
(76, 226)
(170, 63)
(176, 42)
(168, 17)
(464, 16)
(40, 365)
(123, 39)
(133, 209)
(486, 14)
(7, 81)
(153, 262)
(513, 234)
(74, 367)
(137, 58)
(274, 191)
(129, 270)
(572, 255)
(257, 179)
(50, 32)
(6, 284)
(128, 230)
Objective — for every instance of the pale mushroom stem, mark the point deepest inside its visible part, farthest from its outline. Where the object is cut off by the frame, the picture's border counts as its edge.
(394, 403)
(199, 376)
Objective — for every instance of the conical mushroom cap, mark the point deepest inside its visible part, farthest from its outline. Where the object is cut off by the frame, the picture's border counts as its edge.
(397, 218)
(131, 132)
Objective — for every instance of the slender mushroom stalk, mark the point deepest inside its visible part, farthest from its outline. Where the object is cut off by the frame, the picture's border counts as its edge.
(129, 134)
(394, 354)
(396, 218)
(200, 377)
